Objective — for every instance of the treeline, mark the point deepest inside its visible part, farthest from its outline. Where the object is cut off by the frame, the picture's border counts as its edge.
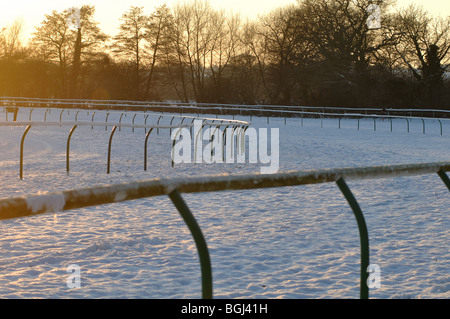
(317, 52)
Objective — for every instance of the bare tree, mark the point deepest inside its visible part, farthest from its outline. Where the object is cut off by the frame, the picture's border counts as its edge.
(346, 46)
(158, 36)
(225, 45)
(130, 41)
(10, 39)
(288, 51)
(254, 56)
(61, 43)
(340, 31)
(204, 41)
(424, 48)
(88, 44)
(52, 37)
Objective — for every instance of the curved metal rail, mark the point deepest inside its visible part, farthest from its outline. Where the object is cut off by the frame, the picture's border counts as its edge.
(29, 125)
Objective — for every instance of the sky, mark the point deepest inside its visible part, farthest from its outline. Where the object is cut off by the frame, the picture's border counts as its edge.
(108, 12)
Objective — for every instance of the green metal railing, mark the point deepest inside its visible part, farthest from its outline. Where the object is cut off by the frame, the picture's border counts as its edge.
(211, 123)
(174, 187)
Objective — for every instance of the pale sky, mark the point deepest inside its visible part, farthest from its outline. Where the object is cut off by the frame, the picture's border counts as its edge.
(108, 12)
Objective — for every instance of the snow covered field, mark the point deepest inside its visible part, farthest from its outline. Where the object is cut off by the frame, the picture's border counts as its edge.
(292, 242)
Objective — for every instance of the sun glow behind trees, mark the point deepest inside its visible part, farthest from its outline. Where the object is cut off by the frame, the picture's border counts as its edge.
(314, 52)
(108, 12)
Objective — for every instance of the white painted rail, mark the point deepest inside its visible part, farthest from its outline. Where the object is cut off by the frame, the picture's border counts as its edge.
(74, 199)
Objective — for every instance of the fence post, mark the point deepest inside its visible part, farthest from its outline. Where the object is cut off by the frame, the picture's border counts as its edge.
(68, 147)
(120, 122)
(157, 123)
(133, 122)
(21, 150)
(145, 148)
(363, 234)
(145, 122)
(202, 248)
(109, 148)
(106, 120)
(170, 130)
(224, 142)
(444, 178)
(93, 114)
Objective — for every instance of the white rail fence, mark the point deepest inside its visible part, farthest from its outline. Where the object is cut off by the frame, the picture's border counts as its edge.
(269, 111)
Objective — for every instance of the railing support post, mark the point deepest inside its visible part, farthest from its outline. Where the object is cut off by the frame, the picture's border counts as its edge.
(170, 130)
(106, 120)
(157, 123)
(120, 121)
(145, 122)
(145, 148)
(132, 129)
(443, 175)
(68, 148)
(21, 150)
(109, 149)
(363, 234)
(202, 248)
(93, 114)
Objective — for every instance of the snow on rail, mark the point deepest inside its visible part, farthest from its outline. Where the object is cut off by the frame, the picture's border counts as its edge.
(100, 195)
(285, 109)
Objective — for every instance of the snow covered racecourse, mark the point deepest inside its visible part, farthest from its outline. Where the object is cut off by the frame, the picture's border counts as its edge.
(284, 242)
